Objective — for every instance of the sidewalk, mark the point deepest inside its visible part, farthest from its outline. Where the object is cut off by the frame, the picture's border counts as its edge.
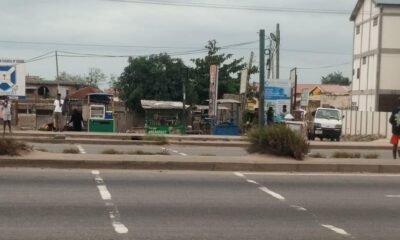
(256, 163)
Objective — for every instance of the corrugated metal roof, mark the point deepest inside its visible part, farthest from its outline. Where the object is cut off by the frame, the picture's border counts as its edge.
(387, 2)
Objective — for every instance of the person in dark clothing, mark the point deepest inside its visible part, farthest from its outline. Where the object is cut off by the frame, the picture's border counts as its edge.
(395, 122)
(77, 120)
(270, 116)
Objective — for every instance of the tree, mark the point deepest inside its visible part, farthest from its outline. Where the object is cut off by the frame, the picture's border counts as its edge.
(336, 78)
(157, 77)
(229, 69)
(70, 77)
(95, 77)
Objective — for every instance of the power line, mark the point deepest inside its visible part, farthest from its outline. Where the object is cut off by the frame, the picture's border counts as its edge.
(235, 7)
(321, 67)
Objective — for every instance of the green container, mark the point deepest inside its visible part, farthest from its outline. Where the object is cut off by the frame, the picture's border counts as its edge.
(101, 125)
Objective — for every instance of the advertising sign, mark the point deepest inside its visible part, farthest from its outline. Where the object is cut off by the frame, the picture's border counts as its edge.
(305, 96)
(277, 95)
(213, 93)
(12, 78)
(243, 81)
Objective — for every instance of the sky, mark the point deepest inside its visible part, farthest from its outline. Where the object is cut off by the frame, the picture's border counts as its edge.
(316, 43)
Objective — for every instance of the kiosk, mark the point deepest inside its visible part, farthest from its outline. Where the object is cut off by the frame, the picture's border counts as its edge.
(99, 110)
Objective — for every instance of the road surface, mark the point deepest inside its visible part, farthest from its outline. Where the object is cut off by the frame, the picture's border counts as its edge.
(111, 204)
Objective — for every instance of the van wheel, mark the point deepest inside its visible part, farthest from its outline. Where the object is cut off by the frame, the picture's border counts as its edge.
(332, 139)
(338, 139)
(322, 139)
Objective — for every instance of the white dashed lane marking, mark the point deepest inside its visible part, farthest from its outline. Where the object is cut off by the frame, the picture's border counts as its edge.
(273, 194)
(393, 196)
(336, 230)
(298, 208)
(81, 149)
(112, 209)
(239, 174)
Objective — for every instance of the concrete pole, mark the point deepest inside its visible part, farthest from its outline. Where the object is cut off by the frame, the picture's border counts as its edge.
(261, 119)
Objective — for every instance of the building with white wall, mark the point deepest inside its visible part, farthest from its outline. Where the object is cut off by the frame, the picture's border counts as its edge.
(376, 55)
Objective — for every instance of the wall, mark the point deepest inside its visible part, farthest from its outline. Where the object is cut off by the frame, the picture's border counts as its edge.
(366, 123)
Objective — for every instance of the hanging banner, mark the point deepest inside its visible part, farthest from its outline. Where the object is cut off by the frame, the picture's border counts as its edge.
(213, 93)
(12, 78)
(305, 96)
(243, 81)
(277, 95)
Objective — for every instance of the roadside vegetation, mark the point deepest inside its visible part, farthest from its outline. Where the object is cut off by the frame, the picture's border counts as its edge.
(12, 147)
(361, 138)
(316, 155)
(278, 140)
(71, 150)
(159, 140)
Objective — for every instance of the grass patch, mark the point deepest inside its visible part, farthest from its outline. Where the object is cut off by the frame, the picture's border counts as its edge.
(208, 155)
(141, 152)
(361, 138)
(71, 150)
(42, 150)
(278, 140)
(317, 155)
(159, 140)
(371, 156)
(12, 147)
(346, 155)
(111, 151)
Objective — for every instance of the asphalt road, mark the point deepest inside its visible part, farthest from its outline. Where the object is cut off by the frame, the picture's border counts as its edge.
(84, 204)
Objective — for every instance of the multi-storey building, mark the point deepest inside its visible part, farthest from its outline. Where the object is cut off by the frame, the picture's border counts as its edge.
(376, 55)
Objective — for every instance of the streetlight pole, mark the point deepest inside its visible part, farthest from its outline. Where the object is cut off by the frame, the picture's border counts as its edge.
(261, 110)
(184, 80)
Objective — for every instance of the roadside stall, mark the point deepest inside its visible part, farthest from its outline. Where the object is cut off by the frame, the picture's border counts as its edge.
(98, 112)
(228, 117)
(163, 117)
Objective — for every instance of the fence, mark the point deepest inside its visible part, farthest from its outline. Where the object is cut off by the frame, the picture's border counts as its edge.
(366, 123)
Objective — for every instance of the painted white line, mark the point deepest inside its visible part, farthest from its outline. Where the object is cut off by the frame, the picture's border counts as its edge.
(336, 230)
(105, 194)
(95, 172)
(273, 194)
(174, 151)
(120, 228)
(183, 154)
(322, 174)
(99, 180)
(298, 208)
(239, 174)
(81, 149)
(252, 181)
(393, 196)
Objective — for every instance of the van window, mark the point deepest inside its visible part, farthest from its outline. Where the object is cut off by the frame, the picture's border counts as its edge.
(328, 114)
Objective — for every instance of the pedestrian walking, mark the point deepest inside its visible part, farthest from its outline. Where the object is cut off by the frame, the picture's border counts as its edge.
(270, 116)
(57, 115)
(395, 122)
(76, 120)
(6, 115)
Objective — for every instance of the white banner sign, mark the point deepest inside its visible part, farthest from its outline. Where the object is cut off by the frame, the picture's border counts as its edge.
(212, 110)
(243, 81)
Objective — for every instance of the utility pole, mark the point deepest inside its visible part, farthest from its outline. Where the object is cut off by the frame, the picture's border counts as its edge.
(278, 43)
(261, 119)
(57, 79)
(184, 80)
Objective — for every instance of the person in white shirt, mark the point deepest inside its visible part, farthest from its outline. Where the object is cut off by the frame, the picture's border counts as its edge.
(6, 115)
(58, 106)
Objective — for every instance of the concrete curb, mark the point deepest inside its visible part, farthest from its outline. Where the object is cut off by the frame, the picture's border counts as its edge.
(200, 166)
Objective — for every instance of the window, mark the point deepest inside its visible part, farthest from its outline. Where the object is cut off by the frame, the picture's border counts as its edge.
(358, 30)
(358, 73)
(364, 61)
(375, 21)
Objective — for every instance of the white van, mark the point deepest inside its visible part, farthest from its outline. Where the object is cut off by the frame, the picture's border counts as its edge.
(326, 123)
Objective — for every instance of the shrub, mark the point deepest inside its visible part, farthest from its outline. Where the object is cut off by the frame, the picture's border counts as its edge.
(317, 155)
(160, 140)
(12, 147)
(71, 150)
(346, 155)
(111, 151)
(371, 156)
(279, 140)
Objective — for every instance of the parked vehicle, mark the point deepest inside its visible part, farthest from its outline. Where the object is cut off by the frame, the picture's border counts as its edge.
(325, 123)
